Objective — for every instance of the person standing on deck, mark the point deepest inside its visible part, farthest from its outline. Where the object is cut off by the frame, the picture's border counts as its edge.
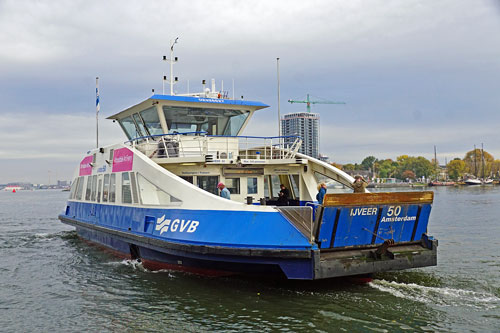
(359, 184)
(321, 193)
(224, 192)
(283, 196)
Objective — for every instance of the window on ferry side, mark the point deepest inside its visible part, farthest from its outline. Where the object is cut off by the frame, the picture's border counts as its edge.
(129, 127)
(251, 185)
(294, 180)
(79, 188)
(112, 188)
(126, 192)
(267, 192)
(94, 188)
(73, 188)
(188, 179)
(105, 190)
(208, 183)
(233, 185)
(89, 188)
(133, 183)
(152, 121)
(99, 189)
(275, 185)
(151, 194)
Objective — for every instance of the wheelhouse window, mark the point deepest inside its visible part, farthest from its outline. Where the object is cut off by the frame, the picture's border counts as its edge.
(130, 128)
(140, 124)
(212, 121)
(151, 120)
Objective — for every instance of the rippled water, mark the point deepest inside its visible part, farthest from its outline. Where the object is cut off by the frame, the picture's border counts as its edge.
(50, 280)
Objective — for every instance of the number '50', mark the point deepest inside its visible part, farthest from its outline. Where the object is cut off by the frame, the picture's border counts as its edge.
(393, 210)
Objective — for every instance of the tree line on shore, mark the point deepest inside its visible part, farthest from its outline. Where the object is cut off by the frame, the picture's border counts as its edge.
(475, 162)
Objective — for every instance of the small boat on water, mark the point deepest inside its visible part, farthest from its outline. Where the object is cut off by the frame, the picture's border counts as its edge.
(473, 181)
(13, 189)
(155, 198)
(442, 183)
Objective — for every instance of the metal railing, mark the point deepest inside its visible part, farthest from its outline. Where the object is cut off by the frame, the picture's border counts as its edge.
(301, 217)
(192, 144)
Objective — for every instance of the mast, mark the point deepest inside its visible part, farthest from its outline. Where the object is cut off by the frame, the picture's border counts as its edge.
(482, 158)
(475, 164)
(446, 168)
(279, 116)
(171, 61)
(436, 164)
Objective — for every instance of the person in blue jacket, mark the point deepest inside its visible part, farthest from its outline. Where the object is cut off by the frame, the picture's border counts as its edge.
(321, 193)
(224, 192)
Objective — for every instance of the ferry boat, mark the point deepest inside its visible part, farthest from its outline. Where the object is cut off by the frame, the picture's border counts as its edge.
(154, 198)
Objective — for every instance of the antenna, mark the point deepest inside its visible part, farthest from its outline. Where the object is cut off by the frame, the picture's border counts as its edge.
(171, 61)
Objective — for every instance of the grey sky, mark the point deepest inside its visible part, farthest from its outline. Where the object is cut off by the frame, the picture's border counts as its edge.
(414, 74)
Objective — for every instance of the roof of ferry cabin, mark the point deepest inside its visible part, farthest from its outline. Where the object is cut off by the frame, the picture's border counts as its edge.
(205, 102)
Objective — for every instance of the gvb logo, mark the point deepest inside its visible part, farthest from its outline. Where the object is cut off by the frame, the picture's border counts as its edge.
(177, 225)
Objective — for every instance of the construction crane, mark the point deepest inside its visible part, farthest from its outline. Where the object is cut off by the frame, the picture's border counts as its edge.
(309, 102)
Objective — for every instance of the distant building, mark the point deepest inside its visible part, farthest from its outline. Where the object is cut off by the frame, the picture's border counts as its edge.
(305, 125)
(366, 174)
(62, 183)
(324, 158)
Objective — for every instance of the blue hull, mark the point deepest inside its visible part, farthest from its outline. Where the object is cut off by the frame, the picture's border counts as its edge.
(351, 238)
(212, 265)
(220, 242)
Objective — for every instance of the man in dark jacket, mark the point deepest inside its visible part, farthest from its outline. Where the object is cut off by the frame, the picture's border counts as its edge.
(283, 196)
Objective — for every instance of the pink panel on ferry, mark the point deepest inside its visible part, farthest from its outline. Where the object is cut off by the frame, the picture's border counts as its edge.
(85, 167)
(122, 160)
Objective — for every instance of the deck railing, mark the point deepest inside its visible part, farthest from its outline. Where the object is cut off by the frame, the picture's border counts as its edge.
(193, 144)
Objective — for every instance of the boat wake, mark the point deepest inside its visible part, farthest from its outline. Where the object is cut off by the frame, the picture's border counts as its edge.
(443, 296)
(137, 265)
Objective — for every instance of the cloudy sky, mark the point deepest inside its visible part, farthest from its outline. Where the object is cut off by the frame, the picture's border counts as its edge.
(414, 74)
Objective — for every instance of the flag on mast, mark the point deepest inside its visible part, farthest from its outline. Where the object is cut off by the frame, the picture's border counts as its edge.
(97, 106)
